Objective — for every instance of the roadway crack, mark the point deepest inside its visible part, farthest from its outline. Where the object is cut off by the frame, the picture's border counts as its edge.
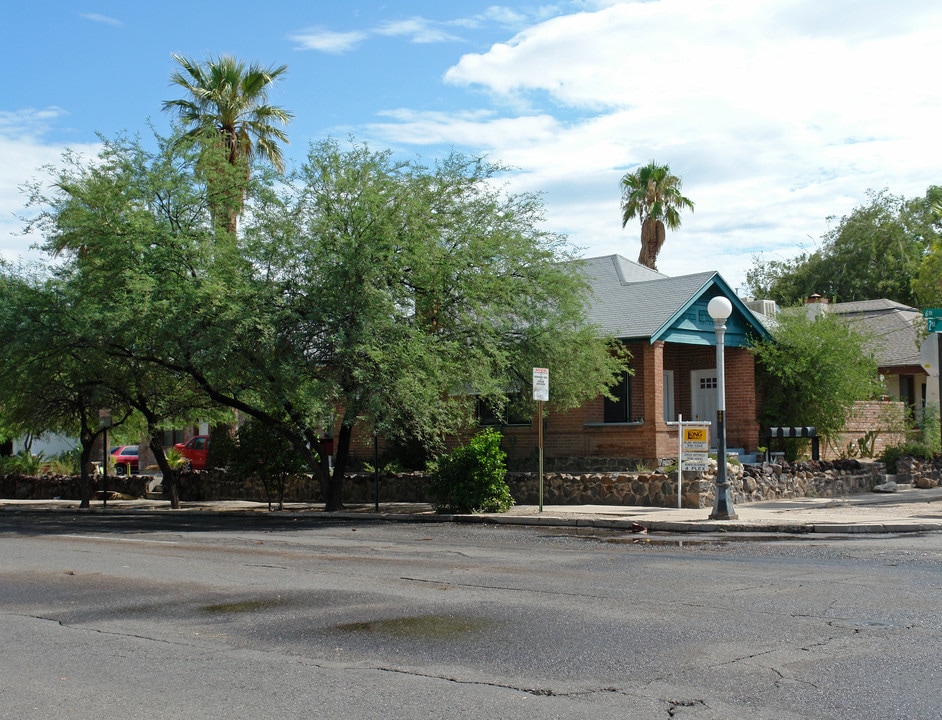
(530, 690)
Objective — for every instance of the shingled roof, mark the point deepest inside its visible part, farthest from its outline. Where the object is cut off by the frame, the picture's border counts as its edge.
(632, 302)
(892, 327)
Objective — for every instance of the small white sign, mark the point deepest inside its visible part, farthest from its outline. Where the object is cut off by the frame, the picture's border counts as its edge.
(696, 461)
(929, 355)
(541, 384)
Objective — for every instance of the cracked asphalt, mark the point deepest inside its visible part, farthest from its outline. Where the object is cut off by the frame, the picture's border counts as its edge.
(216, 617)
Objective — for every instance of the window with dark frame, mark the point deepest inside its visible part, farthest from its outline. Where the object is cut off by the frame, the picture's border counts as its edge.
(172, 437)
(619, 410)
(516, 412)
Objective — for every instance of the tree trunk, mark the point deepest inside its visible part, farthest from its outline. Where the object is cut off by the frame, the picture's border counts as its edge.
(85, 494)
(334, 499)
(648, 242)
(169, 477)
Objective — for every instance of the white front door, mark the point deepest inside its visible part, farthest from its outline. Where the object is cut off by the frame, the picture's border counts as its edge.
(703, 394)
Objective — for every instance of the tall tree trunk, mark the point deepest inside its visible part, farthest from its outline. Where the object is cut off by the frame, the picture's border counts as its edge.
(85, 492)
(648, 243)
(334, 499)
(653, 234)
(156, 445)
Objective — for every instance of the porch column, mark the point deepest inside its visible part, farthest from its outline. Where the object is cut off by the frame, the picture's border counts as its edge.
(655, 428)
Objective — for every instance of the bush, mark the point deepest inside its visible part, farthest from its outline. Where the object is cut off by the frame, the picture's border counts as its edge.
(891, 455)
(263, 453)
(471, 479)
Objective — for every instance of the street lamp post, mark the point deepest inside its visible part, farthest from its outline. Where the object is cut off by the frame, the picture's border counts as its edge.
(720, 309)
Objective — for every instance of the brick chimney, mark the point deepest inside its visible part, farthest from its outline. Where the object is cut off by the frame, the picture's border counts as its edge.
(816, 306)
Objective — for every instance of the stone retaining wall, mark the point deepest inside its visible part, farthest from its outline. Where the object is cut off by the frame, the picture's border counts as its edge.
(920, 473)
(750, 483)
(66, 487)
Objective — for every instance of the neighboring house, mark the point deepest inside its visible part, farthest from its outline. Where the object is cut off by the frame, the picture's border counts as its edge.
(665, 324)
(893, 338)
(892, 329)
(48, 444)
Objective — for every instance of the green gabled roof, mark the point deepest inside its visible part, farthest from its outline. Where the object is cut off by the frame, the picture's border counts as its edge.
(631, 302)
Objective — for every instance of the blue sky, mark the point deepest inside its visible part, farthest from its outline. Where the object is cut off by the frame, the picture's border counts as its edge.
(777, 114)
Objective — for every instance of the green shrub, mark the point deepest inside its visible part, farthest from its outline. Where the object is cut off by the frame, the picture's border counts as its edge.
(891, 455)
(261, 452)
(471, 479)
(26, 463)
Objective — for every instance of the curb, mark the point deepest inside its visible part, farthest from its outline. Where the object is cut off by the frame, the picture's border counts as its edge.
(606, 523)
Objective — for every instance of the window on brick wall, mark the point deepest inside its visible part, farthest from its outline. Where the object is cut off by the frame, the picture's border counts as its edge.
(669, 415)
(515, 412)
(619, 410)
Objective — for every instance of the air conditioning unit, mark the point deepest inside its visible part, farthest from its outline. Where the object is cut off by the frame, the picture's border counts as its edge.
(769, 308)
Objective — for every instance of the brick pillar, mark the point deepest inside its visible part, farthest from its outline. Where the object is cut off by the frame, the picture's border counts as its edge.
(655, 428)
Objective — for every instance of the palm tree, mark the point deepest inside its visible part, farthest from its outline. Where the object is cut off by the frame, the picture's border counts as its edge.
(227, 102)
(652, 194)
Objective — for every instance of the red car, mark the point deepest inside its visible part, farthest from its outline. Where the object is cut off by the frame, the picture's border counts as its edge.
(194, 450)
(125, 458)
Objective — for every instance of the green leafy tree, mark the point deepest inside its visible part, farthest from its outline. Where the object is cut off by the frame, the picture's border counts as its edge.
(51, 377)
(874, 252)
(363, 291)
(128, 210)
(653, 195)
(927, 285)
(812, 372)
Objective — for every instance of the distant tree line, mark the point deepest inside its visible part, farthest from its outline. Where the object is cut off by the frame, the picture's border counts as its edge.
(891, 247)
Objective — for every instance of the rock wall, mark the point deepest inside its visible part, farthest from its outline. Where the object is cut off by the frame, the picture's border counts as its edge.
(920, 473)
(750, 483)
(66, 487)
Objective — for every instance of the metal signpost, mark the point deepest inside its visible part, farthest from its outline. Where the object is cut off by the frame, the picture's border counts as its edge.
(104, 422)
(931, 351)
(541, 395)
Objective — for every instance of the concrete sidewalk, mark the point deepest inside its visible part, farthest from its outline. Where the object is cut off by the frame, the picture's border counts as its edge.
(908, 510)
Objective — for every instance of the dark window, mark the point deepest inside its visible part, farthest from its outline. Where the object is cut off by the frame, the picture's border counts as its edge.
(515, 412)
(619, 410)
(172, 437)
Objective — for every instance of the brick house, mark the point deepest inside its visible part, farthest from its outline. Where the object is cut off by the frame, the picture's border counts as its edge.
(665, 324)
(891, 329)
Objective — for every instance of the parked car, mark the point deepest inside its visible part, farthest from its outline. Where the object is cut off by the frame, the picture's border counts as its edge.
(125, 458)
(194, 450)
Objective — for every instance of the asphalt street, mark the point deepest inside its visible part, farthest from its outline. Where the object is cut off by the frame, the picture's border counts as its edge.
(237, 615)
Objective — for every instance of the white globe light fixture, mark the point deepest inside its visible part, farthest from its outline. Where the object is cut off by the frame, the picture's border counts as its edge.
(720, 308)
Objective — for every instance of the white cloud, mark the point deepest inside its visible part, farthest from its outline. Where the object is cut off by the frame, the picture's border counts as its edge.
(103, 19)
(419, 30)
(25, 154)
(327, 41)
(776, 114)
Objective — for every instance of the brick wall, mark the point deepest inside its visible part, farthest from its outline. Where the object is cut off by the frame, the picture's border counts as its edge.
(886, 419)
(581, 432)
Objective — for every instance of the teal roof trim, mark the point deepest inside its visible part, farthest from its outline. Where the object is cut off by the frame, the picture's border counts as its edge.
(692, 324)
